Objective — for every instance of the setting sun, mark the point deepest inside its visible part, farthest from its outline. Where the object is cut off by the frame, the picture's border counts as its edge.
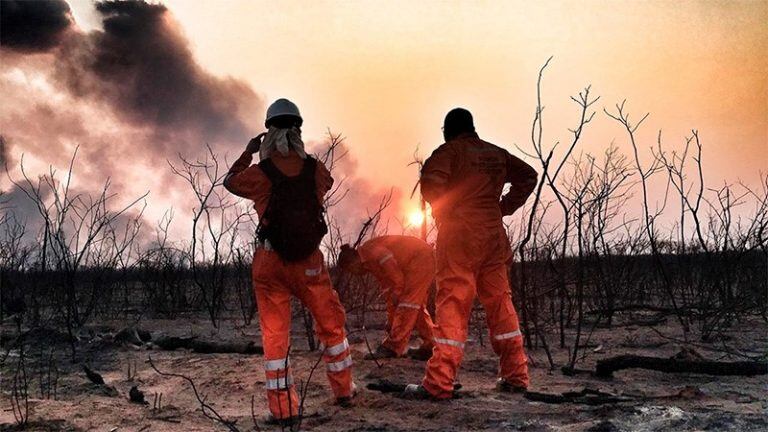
(415, 218)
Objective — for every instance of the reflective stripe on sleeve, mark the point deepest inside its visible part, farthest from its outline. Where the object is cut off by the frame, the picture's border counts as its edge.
(313, 272)
(337, 349)
(279, 383)
(277, 364)
(508, 335)
(450, 342)
(340, 365)
(409, 305)
(385, 258)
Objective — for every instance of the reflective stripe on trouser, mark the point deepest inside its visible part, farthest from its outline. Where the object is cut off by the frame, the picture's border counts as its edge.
(410, 311)
(338, 366)
(281, 394)
(469, 265)
(274, 283)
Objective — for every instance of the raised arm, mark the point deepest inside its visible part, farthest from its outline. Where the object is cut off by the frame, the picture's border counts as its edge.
(243, 179)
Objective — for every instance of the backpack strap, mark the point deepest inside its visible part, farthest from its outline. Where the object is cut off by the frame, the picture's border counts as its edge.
(270, 170)
(309, 169)
(275, 175)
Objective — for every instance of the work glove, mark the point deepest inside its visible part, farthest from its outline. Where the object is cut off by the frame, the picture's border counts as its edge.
(255, 143)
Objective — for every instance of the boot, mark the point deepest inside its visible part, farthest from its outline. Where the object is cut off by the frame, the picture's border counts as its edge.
(286, 422)
(504, 387)
(416, 392)
(421, 353)
(346, 401)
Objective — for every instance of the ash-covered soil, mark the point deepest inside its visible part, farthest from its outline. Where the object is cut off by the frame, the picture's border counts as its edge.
(652, 401)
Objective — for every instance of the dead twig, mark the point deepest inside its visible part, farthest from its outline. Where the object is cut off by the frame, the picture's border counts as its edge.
(206, 408)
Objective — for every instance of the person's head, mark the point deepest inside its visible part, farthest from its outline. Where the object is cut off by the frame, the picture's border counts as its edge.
(457, 122)
(349, 260)
(283, 114)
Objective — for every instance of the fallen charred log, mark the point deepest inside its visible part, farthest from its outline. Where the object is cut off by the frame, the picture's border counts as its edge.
(207, 347)
(586, 396)
(606, 367)
(133, 335)
(387, 386)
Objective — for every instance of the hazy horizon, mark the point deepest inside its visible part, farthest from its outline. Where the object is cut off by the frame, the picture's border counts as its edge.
(384, 75)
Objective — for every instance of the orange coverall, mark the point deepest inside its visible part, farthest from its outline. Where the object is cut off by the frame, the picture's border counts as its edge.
(405, 268)
(274, 281)
(463, 180)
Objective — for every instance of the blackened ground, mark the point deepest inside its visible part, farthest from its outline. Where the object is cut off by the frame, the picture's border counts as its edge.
(658, 401)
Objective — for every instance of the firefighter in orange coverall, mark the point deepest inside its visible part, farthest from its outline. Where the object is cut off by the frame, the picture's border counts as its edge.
(405, 269)
(463, 180)
(275, 280)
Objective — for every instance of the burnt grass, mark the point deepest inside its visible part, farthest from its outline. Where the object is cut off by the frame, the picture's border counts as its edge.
(651, 401)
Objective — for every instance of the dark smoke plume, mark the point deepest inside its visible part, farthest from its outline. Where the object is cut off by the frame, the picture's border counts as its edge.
(142, 65)
(33, 26)
(130, 96)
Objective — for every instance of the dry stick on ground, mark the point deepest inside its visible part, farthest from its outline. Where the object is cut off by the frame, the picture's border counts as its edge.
(200, 399)
(207, 347)
(20, 391)
(287, 385)
(157, 402)
(585, 397)
(305, 388)
(365, 332)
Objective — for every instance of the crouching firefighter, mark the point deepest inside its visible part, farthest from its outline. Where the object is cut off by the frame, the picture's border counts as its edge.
(404, 266)
(287, 188)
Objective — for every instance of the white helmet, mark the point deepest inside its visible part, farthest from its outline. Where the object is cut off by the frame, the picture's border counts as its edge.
(283, 107)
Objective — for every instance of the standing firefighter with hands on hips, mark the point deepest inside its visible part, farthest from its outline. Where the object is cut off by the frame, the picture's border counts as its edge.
(287, 188)
(405, 268)
(463, 180)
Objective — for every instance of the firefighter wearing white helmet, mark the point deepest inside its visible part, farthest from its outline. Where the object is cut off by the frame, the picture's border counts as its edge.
(283, 107)
(287, 188)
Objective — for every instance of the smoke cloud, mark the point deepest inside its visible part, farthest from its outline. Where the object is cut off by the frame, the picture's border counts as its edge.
(33, 26)
(128, 96)
(141, 64)
(361, 197)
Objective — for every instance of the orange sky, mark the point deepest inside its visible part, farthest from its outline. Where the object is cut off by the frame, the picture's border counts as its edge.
(385, 73)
